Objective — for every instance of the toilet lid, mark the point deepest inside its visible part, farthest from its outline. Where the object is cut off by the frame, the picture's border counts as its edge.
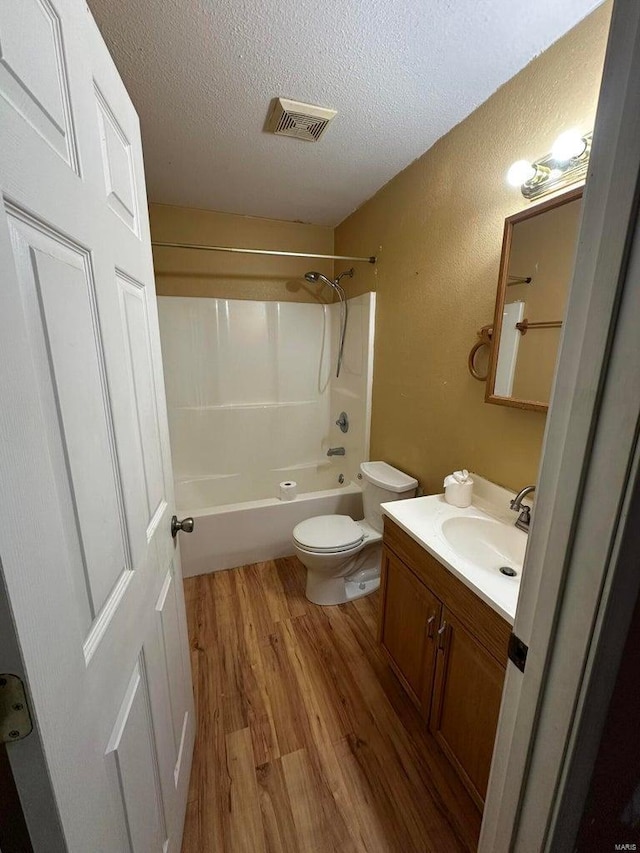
(328, 533)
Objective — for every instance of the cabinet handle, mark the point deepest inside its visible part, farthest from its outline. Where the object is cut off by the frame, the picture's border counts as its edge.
(431, 621)
(442, 636)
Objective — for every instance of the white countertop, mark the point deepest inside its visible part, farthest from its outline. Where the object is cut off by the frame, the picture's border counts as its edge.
(422, 519)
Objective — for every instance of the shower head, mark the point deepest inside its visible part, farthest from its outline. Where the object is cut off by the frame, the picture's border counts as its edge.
(315, 277)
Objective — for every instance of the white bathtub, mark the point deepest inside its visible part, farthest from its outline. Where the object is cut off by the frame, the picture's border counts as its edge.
(237, 534)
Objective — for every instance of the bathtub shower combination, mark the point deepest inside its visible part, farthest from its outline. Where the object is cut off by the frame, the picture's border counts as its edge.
(253, 400)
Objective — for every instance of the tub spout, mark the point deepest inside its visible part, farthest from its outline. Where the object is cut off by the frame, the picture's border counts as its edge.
(336, 451)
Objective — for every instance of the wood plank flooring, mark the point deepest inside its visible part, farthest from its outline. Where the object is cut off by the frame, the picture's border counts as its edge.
(306, 741)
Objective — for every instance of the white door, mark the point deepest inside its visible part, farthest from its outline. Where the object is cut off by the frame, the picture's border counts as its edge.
(91, 573)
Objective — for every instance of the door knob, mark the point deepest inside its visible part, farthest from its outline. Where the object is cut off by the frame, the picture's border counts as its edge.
(186, 525)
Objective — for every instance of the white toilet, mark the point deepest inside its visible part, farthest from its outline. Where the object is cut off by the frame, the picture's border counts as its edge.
(343, 556)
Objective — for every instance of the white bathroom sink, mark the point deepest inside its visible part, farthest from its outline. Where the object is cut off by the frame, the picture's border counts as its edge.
(474, 543)
(487, 542)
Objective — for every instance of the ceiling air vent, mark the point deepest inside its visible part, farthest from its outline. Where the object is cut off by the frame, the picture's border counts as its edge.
(304, 121)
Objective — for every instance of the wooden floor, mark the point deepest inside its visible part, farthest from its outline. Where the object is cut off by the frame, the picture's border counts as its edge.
(306, 741)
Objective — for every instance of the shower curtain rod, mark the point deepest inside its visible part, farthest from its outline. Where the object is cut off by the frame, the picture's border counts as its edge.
(370, 260)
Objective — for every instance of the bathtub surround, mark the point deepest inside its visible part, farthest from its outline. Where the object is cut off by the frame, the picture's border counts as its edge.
(253, 401)
(253, 397)
(251, 387)
(437, 231)
(351, 392)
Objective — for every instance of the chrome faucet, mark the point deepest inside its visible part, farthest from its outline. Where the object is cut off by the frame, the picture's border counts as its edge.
(336, 451)
(524, 519)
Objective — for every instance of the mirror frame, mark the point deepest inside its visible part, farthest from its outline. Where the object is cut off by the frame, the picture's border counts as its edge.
(509, 223)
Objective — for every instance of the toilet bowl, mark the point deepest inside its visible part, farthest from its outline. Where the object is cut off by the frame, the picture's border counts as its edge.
(343, 556)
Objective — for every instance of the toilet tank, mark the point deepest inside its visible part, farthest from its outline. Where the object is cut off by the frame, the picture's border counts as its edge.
(381, 483)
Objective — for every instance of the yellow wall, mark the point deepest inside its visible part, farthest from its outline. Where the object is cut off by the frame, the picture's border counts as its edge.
(437, 230)
(216, 274)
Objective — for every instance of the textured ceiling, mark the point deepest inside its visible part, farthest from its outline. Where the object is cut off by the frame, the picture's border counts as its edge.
(401, 73)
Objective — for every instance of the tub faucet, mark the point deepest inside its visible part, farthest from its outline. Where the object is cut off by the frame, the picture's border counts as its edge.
(524, 519)
(336, 451)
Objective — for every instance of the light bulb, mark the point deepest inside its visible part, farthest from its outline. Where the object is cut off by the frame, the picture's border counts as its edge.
(520, 172)
(568, 146)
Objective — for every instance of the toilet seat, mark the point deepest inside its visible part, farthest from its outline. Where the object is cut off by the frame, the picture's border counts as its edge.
(328, 534)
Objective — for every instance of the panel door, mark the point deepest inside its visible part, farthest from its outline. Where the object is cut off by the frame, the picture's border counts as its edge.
(410, 616)
(466, 703)
(88, 566)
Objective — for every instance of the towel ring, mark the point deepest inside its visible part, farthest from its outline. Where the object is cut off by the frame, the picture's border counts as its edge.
(485, 334)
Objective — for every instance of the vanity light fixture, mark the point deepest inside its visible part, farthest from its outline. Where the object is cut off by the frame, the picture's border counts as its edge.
(520, 172)
(566, 164)
(568, 146)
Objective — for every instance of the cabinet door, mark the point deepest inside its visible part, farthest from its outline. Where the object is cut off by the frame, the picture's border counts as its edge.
(466, 703)
(410, 616)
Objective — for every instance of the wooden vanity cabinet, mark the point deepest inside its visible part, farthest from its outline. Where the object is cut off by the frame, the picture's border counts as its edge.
(408, 629)
(465, 704)
(449, 650)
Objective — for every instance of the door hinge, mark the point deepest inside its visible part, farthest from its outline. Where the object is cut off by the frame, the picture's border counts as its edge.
(15, 719)
(518, 652)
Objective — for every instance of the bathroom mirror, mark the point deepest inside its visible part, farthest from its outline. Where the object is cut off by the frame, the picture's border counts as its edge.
(538, 251)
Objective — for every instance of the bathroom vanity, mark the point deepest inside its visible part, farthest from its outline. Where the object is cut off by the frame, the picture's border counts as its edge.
(445, 624)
